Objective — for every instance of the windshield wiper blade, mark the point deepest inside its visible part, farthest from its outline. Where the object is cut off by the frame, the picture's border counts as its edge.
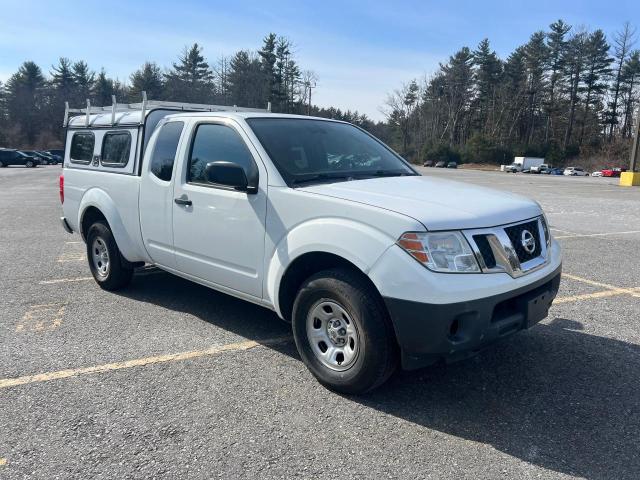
(386, 173)
(320, 177)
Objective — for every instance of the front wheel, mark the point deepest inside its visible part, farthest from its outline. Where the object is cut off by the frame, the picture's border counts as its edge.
(343, 332)
(107, 265)
(29, 164)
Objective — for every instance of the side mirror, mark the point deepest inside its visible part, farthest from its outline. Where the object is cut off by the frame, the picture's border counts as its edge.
(231, 175)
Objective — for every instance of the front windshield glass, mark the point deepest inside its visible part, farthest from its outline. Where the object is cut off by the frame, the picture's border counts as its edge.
(307, 150)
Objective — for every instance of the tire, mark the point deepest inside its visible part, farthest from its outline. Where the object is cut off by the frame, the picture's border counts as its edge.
(108, 267)
(370, 352)
(29, 164)
(2, 165)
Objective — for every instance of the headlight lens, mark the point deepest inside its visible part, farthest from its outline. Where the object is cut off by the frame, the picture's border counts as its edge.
(440, 251)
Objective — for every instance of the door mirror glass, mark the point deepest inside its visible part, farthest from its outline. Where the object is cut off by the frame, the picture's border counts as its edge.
(227, 173)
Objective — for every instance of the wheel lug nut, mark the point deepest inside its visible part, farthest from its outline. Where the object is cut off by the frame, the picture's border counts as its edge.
(342, 331)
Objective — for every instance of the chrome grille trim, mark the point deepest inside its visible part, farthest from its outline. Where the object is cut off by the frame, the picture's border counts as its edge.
(505, 255)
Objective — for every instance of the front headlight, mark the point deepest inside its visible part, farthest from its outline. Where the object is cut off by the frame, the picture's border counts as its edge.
(440, 251)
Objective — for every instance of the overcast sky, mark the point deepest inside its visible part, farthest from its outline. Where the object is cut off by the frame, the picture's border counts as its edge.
(360, 50)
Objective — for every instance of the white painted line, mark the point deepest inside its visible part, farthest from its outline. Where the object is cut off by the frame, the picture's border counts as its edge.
(65, 280)
(579, 235)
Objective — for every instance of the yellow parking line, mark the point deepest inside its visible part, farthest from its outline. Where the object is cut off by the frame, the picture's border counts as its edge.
(587, 296)
(3, 462)
(139, 362)
(633, 291)
(577, 235)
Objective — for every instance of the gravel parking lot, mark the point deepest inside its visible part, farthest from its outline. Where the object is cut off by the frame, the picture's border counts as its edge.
(170, 379)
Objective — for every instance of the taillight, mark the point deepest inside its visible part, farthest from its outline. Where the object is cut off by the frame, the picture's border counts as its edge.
(61, 188)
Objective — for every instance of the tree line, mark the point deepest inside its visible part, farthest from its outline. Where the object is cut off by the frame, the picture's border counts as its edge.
(566, 92)
(32, 101)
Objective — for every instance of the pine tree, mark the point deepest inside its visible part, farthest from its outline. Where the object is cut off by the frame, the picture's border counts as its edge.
(191, 79)
(597, 71)
(103, 89)
(267, 65)
(147, 79)
(458, 84)
(25, 91)
(574, 65)
(556, 45)
(83, 79)
(487, 77)
(244, 80)
(630, 83)
(536, 60)
(63, 82)
(623, 43)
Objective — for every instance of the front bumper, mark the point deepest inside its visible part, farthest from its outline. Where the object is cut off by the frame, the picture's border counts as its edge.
(453, 331)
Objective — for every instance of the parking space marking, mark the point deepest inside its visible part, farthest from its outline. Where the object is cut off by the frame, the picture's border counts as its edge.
(3, 462)
(633, 291)
(587, 296)
(72, 257)
(39, 318)
(578, 235)
(139, 362)
(64, 280)
(73, 243)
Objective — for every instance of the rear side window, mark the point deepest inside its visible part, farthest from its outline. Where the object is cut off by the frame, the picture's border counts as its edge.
(116, 147)
(82, 147)
(164, 152)
(215, 142)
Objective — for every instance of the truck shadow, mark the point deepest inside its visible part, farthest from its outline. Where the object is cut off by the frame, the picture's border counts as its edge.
(553, 396)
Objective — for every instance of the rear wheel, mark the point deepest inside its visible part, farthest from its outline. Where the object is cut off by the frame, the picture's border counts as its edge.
(2, 164)
(107, 265)
(343, 332)
(29, 164)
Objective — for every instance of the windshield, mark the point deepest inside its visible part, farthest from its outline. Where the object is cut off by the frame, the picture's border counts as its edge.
(307, 150)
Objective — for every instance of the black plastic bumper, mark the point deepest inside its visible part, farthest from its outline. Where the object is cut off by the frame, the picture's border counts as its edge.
(430, 332)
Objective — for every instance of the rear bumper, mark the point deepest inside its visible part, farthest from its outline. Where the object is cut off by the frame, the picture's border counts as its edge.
(454, 331)
(65, 225)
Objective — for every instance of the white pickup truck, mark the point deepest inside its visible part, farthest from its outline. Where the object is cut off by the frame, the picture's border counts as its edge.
(372, 263)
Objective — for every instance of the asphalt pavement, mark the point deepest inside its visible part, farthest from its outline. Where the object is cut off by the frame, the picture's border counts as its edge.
(168, 379)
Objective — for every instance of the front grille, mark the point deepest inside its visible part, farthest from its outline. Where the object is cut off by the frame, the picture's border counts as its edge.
(515, 235)
(485, 250)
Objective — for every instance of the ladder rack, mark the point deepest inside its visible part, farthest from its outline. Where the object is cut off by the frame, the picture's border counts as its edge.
(146, 106)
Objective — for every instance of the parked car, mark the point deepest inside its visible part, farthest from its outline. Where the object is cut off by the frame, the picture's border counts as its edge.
(596, 174)
(428, 163)
(452, 165)
(539, 168)
(16, 157)
(556, 171)
(59, 153)
(612, 172)
(513, 168)
(441, 164)
(373, 264)
(45, 159)
(52, 159)
(575, 172)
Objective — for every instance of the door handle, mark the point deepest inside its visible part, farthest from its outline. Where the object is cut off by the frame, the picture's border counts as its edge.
(183, 201)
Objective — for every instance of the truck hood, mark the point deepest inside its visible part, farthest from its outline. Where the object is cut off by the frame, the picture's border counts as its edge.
(436, 203)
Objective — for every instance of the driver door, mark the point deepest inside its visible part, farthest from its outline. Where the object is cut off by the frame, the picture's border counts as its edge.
(218, 231)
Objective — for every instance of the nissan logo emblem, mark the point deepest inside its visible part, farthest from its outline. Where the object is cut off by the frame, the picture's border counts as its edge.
(528, 241)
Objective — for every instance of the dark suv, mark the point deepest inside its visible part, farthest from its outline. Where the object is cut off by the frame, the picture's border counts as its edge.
(14, 157)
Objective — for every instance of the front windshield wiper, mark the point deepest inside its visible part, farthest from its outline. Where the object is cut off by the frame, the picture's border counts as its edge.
(320, 177)
(386, 173)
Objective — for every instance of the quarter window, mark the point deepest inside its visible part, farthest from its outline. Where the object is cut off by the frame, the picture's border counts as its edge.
(82, 144)
(116, 147)
(164, 152)
(215, 142)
